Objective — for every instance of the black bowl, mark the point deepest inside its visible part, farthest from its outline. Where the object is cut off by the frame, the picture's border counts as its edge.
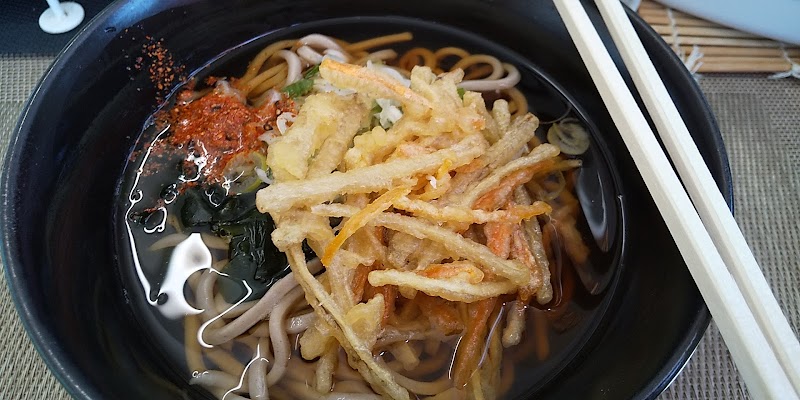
(63, 171)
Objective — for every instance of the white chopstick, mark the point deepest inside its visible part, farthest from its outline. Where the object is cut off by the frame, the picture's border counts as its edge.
(701, 187)
(748, 345)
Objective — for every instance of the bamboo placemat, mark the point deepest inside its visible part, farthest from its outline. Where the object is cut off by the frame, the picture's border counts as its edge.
(759, 123)
(709, 47)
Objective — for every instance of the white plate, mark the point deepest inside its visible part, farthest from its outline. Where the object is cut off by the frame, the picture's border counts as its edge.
(775, 19)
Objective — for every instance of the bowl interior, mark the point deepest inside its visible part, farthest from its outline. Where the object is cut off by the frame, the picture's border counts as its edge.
(597, 182)
(62, 186)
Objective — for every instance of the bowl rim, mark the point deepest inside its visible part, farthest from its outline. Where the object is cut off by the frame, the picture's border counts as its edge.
(44, 341)
(59, 362)
(702, 320)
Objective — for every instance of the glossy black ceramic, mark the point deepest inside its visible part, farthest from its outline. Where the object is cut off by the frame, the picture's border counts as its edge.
(63, 172)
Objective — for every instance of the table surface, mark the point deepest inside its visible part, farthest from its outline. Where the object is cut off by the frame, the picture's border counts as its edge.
(760, 125)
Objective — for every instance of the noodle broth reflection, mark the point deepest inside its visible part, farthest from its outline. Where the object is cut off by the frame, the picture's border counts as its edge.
(256, 330)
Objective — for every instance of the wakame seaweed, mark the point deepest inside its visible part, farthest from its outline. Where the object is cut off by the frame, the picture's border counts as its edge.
(253, 257)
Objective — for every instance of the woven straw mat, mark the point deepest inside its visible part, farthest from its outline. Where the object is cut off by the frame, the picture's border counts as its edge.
(759, 120)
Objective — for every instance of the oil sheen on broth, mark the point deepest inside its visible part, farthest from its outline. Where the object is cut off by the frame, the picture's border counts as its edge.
(189, 198)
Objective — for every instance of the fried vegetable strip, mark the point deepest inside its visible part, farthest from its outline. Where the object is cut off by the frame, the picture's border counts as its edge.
(498, 238)
(533, 233)
(401, 246)
(342, 272)
(359, 281)
(283, 196)
(317, 121)
(432, 212)
(302, 225)
(508, 145)
(441, 313)
(521, 252)
(537, 155)
(456, 270)
(453, 242)
(448, 289)
(430, 254)
(332, 151)
(359, 352)
(323, 375)
(515, 324)
(389, 293)
(456, 244)
(521, 131)
(501, 114)
(565, 222)
(360, 219)
(471, 345)
(428, 191)
(372, 83)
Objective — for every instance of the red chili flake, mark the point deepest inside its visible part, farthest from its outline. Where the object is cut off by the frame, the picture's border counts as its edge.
(160, 65)
(222, 125)
(218, 125)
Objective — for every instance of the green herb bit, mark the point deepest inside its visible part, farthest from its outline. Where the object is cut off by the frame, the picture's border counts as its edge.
(376, 108)
(302, 86)
(299, 88)
(312, 72)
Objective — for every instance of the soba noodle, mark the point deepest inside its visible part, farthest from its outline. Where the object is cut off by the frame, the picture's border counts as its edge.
(269, 68)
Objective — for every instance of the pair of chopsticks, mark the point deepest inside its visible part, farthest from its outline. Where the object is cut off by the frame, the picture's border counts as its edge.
(752, 324)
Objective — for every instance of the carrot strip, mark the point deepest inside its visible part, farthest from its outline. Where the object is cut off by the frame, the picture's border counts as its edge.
(409, 309)
(524, 212)
(572, 241)
(457, 269)
(471, 345)
(500, 195)
(441, 313)
(498, 237)
(360, 280)
(360, 219)
(389, 293)
(521, 252)
(389, 296)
